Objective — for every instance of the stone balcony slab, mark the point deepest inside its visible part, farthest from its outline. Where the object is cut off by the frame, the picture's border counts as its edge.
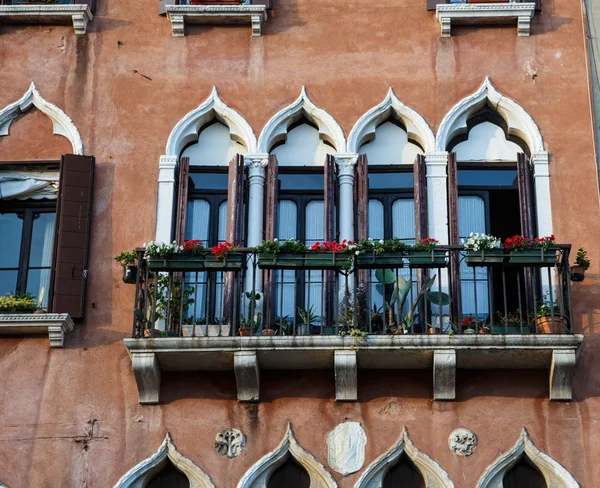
(485, 13)
(60, 14)
(442, 353)
(55, 325)
(179, 15)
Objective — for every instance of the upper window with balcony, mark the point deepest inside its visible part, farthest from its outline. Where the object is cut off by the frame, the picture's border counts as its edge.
(61, 12)
(482, 12)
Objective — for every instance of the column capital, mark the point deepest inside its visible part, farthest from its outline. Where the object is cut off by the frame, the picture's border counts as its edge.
(346, 163)
(436, 158)
(168, 162)
(256, 164)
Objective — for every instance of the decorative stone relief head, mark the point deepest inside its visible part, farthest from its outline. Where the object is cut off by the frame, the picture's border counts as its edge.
(462, 442)
(230, 442)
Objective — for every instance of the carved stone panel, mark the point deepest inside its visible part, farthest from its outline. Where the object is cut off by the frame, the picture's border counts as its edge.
(346, 448)
(462, 442)
(230, 442)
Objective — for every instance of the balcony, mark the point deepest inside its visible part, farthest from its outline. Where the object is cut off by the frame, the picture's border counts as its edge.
(346, 312)
(217, 12)
(42, 12)
(473, 13)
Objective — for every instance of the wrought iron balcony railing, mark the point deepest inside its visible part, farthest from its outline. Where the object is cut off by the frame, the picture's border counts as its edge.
(445, 291)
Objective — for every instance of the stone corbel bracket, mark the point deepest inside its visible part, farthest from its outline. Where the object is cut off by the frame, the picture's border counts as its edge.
(485, 13)
(179, 15)
(56, 325)
(60, 14)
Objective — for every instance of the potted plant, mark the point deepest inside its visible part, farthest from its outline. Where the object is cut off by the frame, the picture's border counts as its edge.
(483, 250)
(470, 325)
(329, 255)
(582, 263)
(18, 304)
(549, 319)
(128, 259)
(308, 320)
(224, 257)
(380, 254)
(274, 254)
(426, 254)
(512, 323)
(532, 252)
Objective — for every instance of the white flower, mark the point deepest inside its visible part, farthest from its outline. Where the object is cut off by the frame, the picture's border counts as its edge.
(357, 252)
(275, 240)
(380, 241)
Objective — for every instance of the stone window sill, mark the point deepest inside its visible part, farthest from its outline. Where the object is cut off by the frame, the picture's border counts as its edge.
(485, 13)
(55, 325)
(78, 15)
(443, 353)
(179, 15)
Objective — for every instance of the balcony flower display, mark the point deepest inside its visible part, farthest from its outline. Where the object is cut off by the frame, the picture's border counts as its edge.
(549, 318)
(192, 256)
(293, 254)
(373, 254)
(426, 254)
(25, 303)
(128, 259)
(535, 252)
(483, 249)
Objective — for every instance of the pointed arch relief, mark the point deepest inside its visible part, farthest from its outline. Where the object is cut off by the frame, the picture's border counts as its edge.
(433, 474)
(188, 128)
(417, 128)
(276, 129)
(556, 476)
(139, 476)
(62, 124)
(258, 475)
(519, 124)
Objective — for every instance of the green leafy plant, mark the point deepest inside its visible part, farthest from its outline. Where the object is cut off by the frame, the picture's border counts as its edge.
(582, 259)
(378, 247)
(10, 302)
(427, 244)
(171, 299)
(275, 246)
(251, 322)
(161, 249)
(127, 258)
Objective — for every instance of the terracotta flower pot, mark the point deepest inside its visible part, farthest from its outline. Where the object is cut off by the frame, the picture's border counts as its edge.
(544, 325)
(245, 331)
(268, 332)
(577, 273)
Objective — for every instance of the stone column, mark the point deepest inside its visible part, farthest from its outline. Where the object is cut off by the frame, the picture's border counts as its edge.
(346, 169)
(166, 197)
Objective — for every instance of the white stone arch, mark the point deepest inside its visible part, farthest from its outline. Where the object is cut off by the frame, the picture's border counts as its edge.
(277, 127)
(555, 475)
(187, 129)
(138, 476)
(258, 475)
(416, 127)
(62, 124)
(433, 474)
(519, 123)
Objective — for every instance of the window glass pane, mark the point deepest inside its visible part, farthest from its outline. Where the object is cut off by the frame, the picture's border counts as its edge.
(403, 219)
(11, 229)
(506, 178)
(42, 240)
(198, 220)
(315, 221)
(8, 281)
(394, 180)
(301, 181)
(222, 231)
(38, 281)
(207, 181)
(375, 221)
(287, 216)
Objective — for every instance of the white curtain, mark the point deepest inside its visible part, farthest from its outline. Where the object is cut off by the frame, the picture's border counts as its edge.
(375, 221)
(403, 219)
(287, 213)
(315, 232)
(38, 280)
(26, 185)
(198, 220)
(471, 218)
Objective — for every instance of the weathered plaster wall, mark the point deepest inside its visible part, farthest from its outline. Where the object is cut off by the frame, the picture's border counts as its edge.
(71, 418)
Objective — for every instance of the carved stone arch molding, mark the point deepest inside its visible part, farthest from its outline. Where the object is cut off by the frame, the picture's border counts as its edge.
(555, 475)
(187, 129)
(62, 124)
(258, 475)
(139, 476)
(277, 128)
(519, 123)
(416, 127)
(433, 474)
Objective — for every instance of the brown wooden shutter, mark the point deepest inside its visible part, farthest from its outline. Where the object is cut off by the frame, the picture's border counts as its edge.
(271, 223)
(420, 189)
(72, 235)
(362, 197)
(182, 200)
(432, 4)
(329, 234)
(233, 234)
(454, 238)
(524, 183)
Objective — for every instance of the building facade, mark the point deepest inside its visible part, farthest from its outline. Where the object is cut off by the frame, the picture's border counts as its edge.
(123, 123)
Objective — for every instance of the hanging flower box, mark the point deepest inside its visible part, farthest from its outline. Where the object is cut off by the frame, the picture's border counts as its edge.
(534, 257)
(230, 261)
(280, 260)
(177, 262)
(383, 260)
(484, 257)
(434, 258)
(326, 260)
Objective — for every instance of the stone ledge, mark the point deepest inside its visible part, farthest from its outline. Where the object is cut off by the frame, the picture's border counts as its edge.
(179, 15)
(79, 15)
(443, 353)
(56, 325)
(485, 13)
